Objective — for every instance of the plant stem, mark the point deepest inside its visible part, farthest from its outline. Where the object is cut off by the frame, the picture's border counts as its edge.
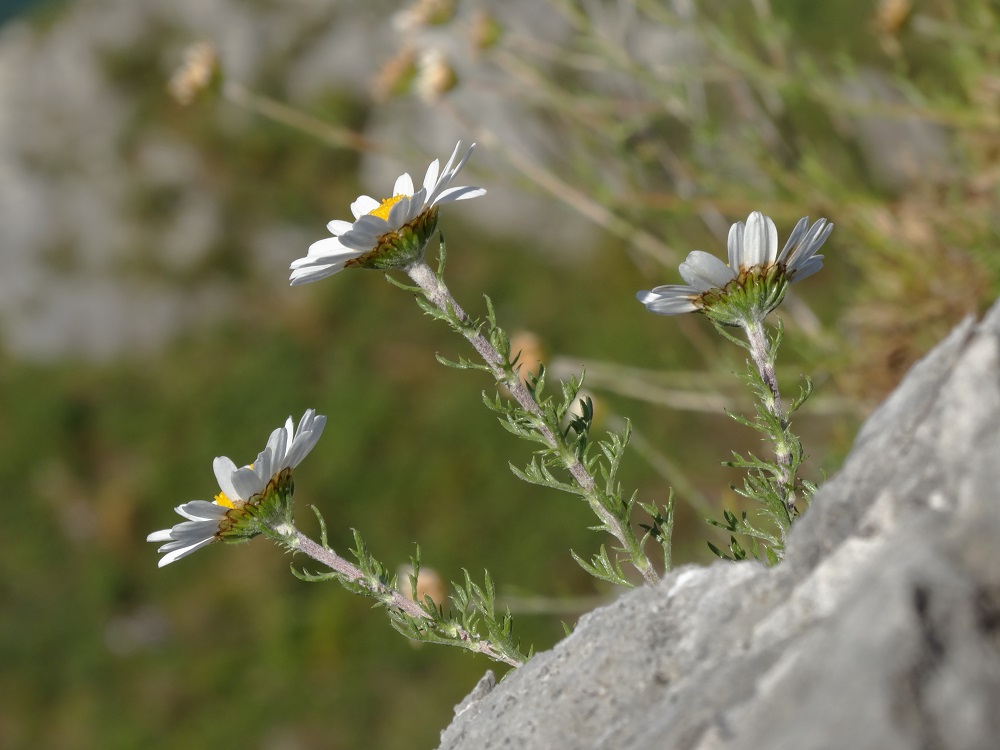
(389, 595)
(437, 293)
(274, 110)
(763, 359)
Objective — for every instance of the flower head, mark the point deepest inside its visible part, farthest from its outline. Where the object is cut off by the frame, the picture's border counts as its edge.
(754, 281)
(252, 499)
(435, 75)
(198, 73)
(390, 233)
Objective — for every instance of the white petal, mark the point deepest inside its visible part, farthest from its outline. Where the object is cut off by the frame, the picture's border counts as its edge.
(448, 172)
(794, 239)
(247, 484)
(431, 176)
(645, 297)
(262, 467)
(201, 510)
(452, 171)
(189, 532)
(305, 420)
(369, 225)
(404, 185)
(459, 194)
(673, 289)
(313, 273)
(704, 271)
(224, 470)
(277, 446)
(160, 536)
(364, 205)
(305, 442)
(735, 244)
(325, 247)
(178, 554)
(808, 244)
(338, 226)
(399, 214)
(760, 242)
(807, 269)
(670, 299)
(185, 513)
(363, 241)
(672, 306)
(341, 255)
(289, 435)
(338, 254)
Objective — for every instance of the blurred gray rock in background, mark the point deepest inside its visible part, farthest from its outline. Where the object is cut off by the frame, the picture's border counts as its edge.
(75, 154)
(880, 630)
(84, 274)
(85, 154)
(899, 150)
(497, 99)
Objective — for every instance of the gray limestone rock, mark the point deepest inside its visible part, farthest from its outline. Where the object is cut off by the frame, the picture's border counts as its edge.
(880, 630)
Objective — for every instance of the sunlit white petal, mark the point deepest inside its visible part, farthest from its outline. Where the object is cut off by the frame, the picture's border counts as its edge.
(331, 253)
(314, 273)
(338, 227)
(431, 175)
(704, 271)
(364, 205)
(404, 185)
(459, 194)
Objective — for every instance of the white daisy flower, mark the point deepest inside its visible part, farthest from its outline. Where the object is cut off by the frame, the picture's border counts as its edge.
(390, 233)
(236, 512)
(755, 278)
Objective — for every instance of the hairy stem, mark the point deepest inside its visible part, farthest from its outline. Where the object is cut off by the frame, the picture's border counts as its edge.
(761, 354)
(437, 293)
(393, 598)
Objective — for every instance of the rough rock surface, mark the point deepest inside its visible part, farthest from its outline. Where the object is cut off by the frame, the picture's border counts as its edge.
(880, 630)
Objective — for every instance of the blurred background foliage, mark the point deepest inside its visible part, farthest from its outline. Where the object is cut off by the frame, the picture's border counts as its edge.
(628, 133)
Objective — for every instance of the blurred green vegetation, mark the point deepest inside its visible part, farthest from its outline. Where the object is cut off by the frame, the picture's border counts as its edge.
(224, 649)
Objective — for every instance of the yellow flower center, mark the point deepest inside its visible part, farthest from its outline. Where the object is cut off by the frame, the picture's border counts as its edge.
(224, 501)
(386, 206)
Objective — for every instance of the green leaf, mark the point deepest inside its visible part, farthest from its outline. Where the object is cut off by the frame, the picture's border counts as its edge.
(805, 391)
(403, 285)
(719, 553)
(462, 364)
